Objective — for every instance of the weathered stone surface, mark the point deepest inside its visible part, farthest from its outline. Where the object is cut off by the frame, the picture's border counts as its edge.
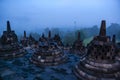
(58, 40)
(7, 74)
(49, 53)
(100, 63)
(27, 41)
(29, 71)
(9, 46)
(78, 47)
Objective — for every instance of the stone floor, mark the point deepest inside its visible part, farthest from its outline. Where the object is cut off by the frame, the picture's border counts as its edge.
(23, 69)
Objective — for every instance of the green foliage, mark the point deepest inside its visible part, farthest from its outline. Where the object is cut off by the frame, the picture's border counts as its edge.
(118, 36)
(55, 31)
(46, 30)
(91, 31)
(87, 40)
(35, 35)
(82, 34)
(69, 38)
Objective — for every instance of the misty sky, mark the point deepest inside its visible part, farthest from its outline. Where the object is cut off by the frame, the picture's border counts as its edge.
(34, 14)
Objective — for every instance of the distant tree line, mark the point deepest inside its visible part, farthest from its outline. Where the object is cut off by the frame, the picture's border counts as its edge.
(69, 36)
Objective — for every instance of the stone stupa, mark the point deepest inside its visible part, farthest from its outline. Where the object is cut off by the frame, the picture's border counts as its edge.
(100, 63)
(9, 46)
(48, 53)
(58, 40)
(78, 47)
(24, 41)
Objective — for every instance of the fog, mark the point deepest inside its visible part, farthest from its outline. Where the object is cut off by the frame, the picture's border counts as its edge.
(38, 14)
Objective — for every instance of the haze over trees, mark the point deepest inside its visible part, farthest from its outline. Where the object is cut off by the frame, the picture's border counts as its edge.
(68, 36)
